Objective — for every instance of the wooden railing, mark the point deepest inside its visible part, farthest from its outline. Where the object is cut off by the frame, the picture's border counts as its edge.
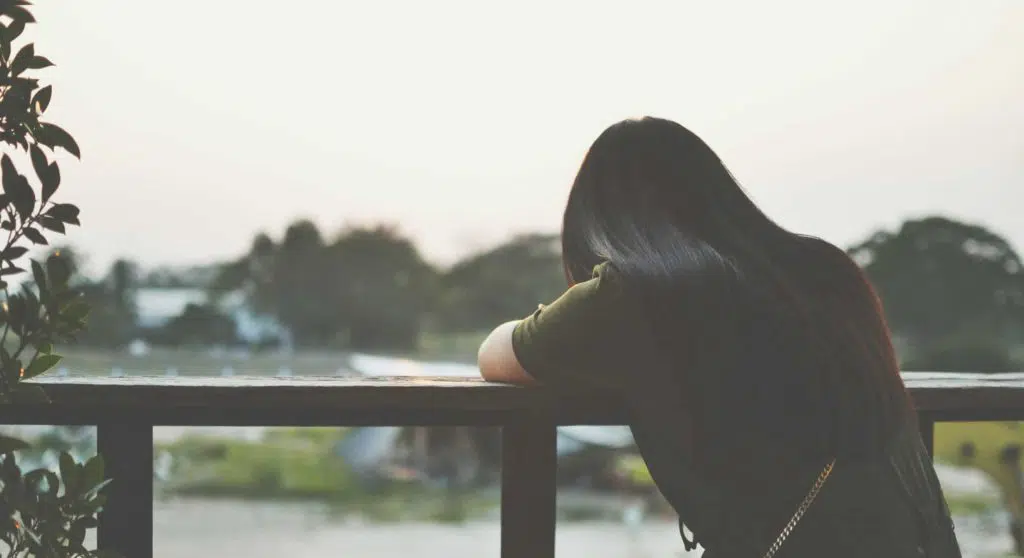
(125, 410)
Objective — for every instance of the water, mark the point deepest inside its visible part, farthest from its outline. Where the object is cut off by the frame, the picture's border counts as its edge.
(190, 528)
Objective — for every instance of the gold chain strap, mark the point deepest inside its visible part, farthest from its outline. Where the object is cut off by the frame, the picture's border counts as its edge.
(800, 511)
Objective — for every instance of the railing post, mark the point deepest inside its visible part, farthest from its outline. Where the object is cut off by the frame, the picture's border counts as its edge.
(126, 524)
(528, 488)
(927, 426)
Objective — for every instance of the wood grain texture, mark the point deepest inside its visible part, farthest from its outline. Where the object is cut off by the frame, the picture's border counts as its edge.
(327, 401)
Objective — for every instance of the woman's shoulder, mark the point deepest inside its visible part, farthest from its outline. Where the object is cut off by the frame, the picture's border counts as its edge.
(605, 287)
(590, 334)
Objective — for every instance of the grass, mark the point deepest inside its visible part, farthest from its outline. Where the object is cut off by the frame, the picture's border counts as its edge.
(297, 464)
(988, 439)
(971, 504)
(287, 464)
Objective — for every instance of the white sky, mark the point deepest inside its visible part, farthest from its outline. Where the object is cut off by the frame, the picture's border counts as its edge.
(203, 122)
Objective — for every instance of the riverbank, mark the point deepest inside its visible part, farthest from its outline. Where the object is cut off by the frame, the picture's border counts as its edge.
(300, 464)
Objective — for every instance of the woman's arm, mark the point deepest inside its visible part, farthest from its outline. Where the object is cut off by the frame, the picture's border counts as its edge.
(587, 339)
(497, 360)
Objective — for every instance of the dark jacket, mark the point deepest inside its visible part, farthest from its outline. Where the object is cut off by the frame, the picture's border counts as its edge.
(888, 507)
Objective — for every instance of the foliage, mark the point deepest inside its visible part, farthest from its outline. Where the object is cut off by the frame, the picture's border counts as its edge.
(953, 290)
(198, 324)
(979, 355)
(32, 319)
(382, 285)
(113, 317)
(293, 464)
(43, 514)
(368, 289)
(282, 467)
(501, 284)
(947, 285)
(988, 441)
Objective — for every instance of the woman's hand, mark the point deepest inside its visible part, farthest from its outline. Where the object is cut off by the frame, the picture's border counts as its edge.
(497, 360)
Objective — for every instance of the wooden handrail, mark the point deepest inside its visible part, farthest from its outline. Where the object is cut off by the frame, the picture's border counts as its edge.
(241, 400)
(125, 410)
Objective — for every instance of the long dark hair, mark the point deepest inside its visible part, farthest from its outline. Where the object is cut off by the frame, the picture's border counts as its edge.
(773, 336)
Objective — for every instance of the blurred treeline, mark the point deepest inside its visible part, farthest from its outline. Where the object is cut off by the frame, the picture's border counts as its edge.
(953, 292)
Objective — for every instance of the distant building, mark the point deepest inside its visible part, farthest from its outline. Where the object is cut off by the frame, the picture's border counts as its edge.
(156, 306)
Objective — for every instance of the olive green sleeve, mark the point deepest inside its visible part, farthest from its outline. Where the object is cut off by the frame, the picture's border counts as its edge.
(591, 337)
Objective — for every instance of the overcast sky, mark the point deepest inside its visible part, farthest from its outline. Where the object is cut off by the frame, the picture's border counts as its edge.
(203, 122)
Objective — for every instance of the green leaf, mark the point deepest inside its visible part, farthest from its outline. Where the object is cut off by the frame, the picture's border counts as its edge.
(76, 311)
(25, 199)
(39, 161)
(52, 136)
(90, 522)
(32, 535)
(52, 181)
(12, 373)
(58, 270)
(17, 188)
(14, 252)
(11, 270)
(94, 492)
(77, 534)
(92, 476)
(14, 30)
(39, 274)
(35, 236)
(18, 13)
(41, 100)
(48, 173)
(41, 364)
(7, 166)
(64, 212)
(37, 478)
(16, 311)
(69, 472)
(23, 59)
(10, 473)
(31, 300)
(9, 444)
(39, 62)
(52, 484)
(64, 297)
(50, 223)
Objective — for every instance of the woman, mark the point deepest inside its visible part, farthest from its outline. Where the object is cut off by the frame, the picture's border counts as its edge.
(755, 363)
